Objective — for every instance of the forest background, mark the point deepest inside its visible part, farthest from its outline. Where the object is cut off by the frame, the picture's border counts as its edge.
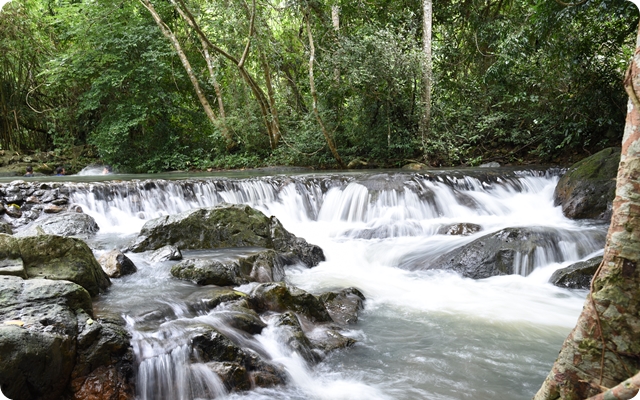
(298, 82)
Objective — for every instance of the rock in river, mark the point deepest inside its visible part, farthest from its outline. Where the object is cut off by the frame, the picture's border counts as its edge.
(588, 188)
(578, 275)
(225, 226)
(52, 257)
(510, 251)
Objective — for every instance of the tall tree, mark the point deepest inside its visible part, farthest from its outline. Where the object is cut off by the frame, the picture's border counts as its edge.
(604, 347)
(427, 77)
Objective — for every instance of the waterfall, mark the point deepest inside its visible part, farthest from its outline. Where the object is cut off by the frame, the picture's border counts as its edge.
(424, 333)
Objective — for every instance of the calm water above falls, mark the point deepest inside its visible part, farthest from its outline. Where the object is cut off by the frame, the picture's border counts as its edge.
(422, 335)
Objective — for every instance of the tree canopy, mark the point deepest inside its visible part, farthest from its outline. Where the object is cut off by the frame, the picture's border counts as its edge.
(512, 81)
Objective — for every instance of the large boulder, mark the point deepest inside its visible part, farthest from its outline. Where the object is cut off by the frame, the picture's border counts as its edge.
(52, 257)
(52, 347)
(63, 224)
(510, 251)
(38, 335)
(225, 226)
(62, 258)
(578, 275)
(588, 188)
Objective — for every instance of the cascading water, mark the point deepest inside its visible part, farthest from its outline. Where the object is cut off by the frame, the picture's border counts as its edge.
(423, 334)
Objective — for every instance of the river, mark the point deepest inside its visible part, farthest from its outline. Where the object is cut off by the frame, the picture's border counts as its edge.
(422, 335)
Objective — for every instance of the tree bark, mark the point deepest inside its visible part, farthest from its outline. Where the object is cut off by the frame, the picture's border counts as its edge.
(604, 347)
(427, 72)
(314, 97)
(624, 391)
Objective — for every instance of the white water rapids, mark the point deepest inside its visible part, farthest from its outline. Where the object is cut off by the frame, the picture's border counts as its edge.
(422, 335)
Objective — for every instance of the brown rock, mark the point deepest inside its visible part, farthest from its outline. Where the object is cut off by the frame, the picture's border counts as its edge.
(103, 383)
(53, 209)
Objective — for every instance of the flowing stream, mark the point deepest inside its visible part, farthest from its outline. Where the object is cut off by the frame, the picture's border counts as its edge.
(422, 335)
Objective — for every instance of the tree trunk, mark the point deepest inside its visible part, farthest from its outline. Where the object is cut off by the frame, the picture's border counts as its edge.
(314, 97)
(263, 103)
(604, 347)
(183, 58)
(223, 115)
(427, 72)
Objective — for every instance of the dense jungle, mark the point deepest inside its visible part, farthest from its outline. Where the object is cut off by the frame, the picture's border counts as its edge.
(152, 86)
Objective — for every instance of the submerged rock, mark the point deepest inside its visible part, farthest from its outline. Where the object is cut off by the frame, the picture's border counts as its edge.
(222, 227)
(293, 336)
(588, 188)
(115, 264)
(578, 275)
(238, 368)
(462, 229)
(510, 251)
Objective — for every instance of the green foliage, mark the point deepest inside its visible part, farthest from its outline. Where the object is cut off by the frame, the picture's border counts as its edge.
(538, 80)
(513, 81)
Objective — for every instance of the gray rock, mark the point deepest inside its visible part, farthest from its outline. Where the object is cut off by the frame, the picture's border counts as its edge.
(115, 264)
(13, 211)
(588, 188)
(6, 228)
(293, 336)
(166, 253)
(491, 164)
(462, 229)
(499, 253)
(343, 306)
(210, 298)
(63, 224)
(38, 337)
(281, 297)
(50, 343)
(211, 346)
(578, 275)
(238, 315)
(209, 272)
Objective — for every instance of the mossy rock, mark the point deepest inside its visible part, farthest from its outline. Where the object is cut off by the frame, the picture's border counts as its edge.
(226, 226)
(281, 297)
(587, 190)
(58, 258)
